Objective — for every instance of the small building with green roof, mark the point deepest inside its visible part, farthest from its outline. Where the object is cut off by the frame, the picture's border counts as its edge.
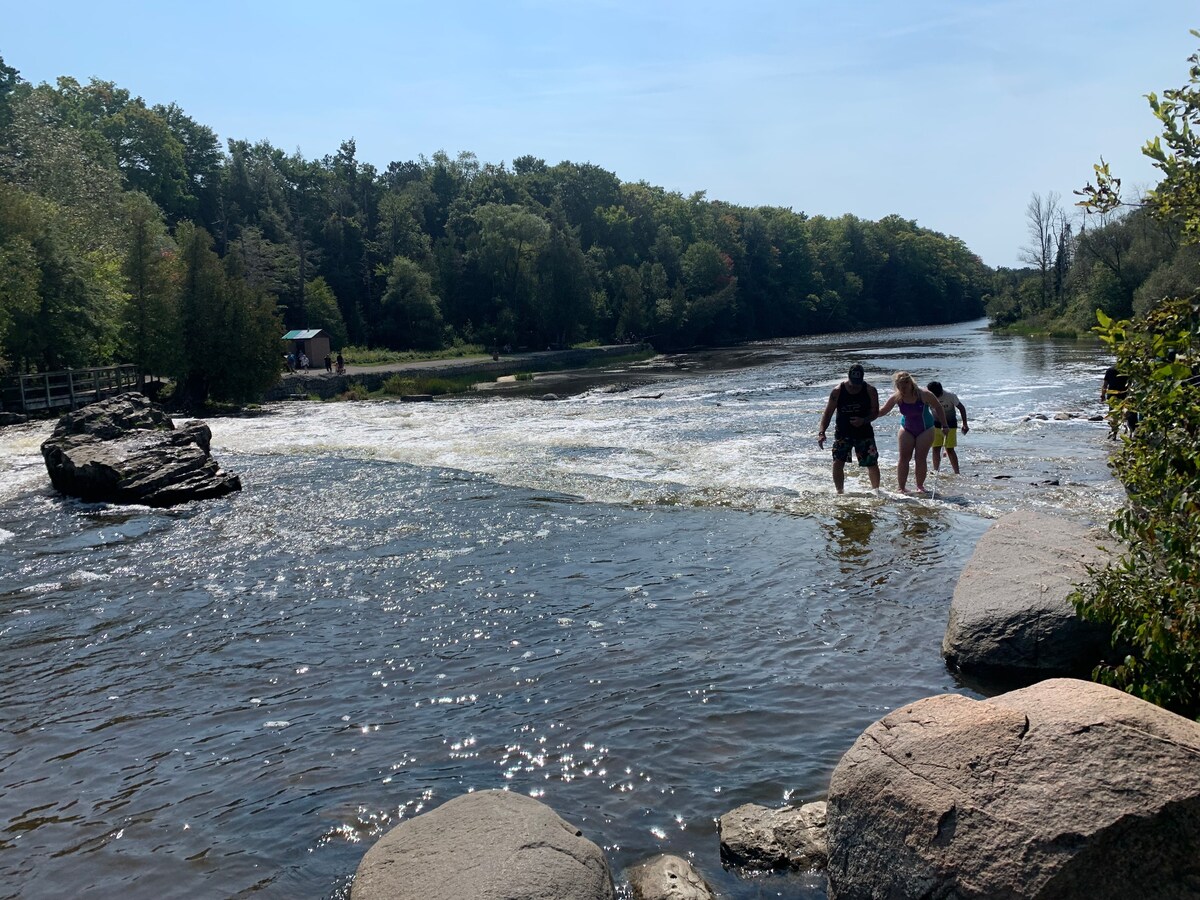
(314, 342)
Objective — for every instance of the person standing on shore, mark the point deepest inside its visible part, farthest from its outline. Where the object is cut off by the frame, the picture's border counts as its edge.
(855, 404)
(1112, 391)
(951, 405)
(918, 409)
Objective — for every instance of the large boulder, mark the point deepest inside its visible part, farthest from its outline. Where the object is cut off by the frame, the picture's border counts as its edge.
(1010, 618)
(489, 845)
(127, 450)
(1061, 790)
(762, 837)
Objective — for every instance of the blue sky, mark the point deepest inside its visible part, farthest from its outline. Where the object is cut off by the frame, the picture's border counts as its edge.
(949, 112)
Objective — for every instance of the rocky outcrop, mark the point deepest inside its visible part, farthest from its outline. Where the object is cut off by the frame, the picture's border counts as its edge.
(490, 844)
(667, 877)
(1010, 617)
(759, 837)
(1061, 790)
(127, 450)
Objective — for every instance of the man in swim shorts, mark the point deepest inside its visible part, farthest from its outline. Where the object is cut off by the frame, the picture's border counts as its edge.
(856, 404)
(948, 439)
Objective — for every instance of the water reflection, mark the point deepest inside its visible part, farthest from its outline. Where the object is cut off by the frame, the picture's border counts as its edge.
(849, 536)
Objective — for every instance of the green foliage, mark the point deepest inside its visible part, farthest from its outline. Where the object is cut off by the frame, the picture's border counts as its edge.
(322, 311)
(376, 356)
(1177, 152)
(434, 385)
(106, 263)
(230, 332)
(1150, 595)
(151, 336)
(411, 312)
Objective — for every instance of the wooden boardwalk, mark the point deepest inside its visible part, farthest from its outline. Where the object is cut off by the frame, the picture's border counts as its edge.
(67, 389)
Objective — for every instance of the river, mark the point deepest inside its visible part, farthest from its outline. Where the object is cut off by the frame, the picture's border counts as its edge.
(644, 607)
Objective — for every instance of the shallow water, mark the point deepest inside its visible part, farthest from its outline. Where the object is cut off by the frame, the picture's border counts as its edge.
(644, 607)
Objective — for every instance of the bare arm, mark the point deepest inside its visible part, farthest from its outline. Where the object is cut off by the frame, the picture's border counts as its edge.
(874, 403)
(887, 407)
(963, 412)
(827, 415)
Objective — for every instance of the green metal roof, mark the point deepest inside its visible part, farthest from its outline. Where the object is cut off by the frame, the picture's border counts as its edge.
(302, 334)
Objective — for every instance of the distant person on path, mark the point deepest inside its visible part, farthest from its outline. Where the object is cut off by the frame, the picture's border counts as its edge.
(855, 404)
(341, 364)
(918, 409)
(951, 405)
(291, 362)
(328, 363)
(1113, 390)
(304, 361)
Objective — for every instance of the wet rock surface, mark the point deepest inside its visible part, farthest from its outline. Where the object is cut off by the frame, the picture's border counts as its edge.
(127, 450)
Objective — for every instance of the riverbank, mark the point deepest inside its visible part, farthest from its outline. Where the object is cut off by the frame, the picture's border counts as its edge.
(326, 385)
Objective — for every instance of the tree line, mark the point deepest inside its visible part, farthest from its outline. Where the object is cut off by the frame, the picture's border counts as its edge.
(129, 233)
(1120, 259)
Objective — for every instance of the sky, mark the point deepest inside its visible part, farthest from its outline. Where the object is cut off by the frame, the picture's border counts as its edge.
(952, 113)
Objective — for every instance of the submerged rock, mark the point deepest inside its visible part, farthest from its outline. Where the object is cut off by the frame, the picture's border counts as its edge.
(667, 877)
(127, 450)
(1064, 789)
(489, 844)
(760, 837)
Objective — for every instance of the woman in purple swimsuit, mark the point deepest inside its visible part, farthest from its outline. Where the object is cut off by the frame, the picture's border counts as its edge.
(918, 408)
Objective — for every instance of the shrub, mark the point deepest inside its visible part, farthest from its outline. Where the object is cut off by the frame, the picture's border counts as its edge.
(1150, 594)
(434, 385)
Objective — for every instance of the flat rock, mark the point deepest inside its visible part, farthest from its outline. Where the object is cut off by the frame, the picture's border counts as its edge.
(489, 845)
(127, 450)
(1066, 789)
(1010, 617)
(667, 877)
(760, 837)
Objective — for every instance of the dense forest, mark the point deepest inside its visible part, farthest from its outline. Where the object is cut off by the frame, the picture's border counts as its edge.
(129, 233)
(1121, 259)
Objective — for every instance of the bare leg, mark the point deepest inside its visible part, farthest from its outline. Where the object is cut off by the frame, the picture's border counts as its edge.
(873, 474)
(937, 457)
(951, 455)
(839, 474)
(921, 452)
(906, 451)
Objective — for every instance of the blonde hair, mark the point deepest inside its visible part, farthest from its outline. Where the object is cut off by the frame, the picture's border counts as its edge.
(900, 378)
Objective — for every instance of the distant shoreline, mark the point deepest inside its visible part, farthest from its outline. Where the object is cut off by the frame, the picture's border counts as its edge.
(326, 385)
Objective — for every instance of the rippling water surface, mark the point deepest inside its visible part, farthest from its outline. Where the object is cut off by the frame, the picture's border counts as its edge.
(645, 607)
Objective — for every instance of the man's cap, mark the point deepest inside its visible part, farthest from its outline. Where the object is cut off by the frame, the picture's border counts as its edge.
(856, 373)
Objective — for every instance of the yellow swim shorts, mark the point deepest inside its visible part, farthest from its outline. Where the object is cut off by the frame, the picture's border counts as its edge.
(947, 439)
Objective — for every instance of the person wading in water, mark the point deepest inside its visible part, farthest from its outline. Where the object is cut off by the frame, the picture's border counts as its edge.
(856, 403)
(918, 409)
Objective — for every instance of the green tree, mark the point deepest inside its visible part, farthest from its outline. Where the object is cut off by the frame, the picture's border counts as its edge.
(150, 337)
(20, 271)
(9, 79)
(411, 311)
(230, 328)
(324, 312)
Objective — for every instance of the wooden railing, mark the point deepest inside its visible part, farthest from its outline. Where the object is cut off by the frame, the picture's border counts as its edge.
(70, 388)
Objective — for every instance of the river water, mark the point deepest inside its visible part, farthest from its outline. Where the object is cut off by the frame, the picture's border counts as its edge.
(644, 607)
